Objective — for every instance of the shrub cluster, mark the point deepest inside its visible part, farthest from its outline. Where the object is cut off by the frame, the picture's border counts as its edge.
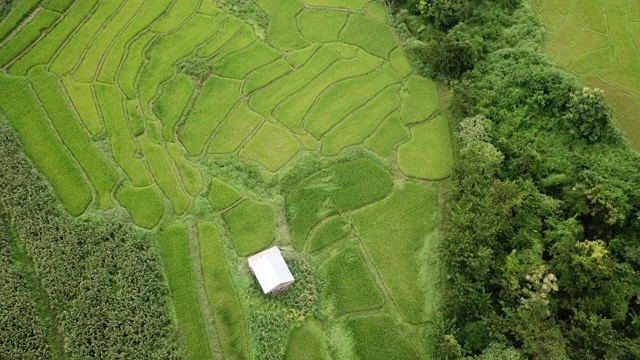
(101, 279)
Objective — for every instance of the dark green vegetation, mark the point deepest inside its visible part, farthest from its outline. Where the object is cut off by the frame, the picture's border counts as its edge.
(66, 280)
(541, 231)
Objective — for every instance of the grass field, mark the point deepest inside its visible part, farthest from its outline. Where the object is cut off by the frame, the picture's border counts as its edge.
(597, 40)
(225, 127)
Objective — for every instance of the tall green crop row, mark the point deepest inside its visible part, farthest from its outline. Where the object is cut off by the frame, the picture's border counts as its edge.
(102, 279)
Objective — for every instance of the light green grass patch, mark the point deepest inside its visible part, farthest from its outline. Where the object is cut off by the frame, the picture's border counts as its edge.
(341, 187)
(176, 15)
(390, 132)
(347, 51)
(239, 64)
(428, 154)
(42, 146)
(125, 150)
(19, 12)
(44, 50)
(132, 64)
(263, 76)
(230, 28)
(377, 337)
(240, 124)
(164, 175)
(339, 99)
(136, 118)
(348, 283)
(374, 36)
(265, 100)
(222, 195)
(361, 123)
(282, 31)
(242, 41)
(82, 98)
(308, 141)
(399, 62)
(190, 175)
(173, 247)
(297, 58)
(318, 25)
(59, 5)
(99, 171)
(144, 205)
(272, 146)
(393, 232)
(306, 343)
(211, 107)
(343, 4)
(377, 10)
(327, 232)
(251, 226)
(153, 132)
(31, 31)
(419, 100)
(172, 103)
(291, 111)
(222, 294)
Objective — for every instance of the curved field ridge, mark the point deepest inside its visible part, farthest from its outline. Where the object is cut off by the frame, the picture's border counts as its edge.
(598, 41)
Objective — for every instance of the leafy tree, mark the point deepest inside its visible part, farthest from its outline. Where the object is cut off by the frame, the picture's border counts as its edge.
(589, 117)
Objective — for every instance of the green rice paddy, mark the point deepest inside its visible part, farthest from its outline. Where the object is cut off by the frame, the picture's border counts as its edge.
(222, 138)
(597, 40)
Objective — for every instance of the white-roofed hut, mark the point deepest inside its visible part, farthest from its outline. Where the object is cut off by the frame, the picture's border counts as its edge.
(271, 270)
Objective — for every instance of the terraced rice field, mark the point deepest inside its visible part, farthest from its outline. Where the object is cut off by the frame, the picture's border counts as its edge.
(598, 41)
(223, 135)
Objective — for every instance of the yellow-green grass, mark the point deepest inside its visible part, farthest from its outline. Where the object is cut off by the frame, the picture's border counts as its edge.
(150, 11)
(125, 151)
(59, 5)
(27, 35)
(173, 247)
(167, 50)
(377, 10)
(136, 118)
(44, 50)
(308, 141)
(153, 131)
(327, 232)
(347, 51)
(361, 123)
(190, 175)
(347, 282)
(164, 175)
(241, 63)
(222, 195)
(73, 50)
(242, 41)
(251, 226)
(177, 14)
(21, 10)
(343, 4)
(272, 146)
(42, 146)
(230, 28)
(291, 111)
(374, 36)
(399, 62)
(144, 204)
(341, 187)
(393, 232)
(379, 337)
(339, 99)
(265, 100)
(306, 343)
(99, 171)
(297, 58)
(419, 99)
(318, 25)
(282, 31)
(172, 103)
(88, 66)
(132, 64)
(265, 75)
(222, 295)
(428, 154)
(81, 97)
(208, 8)
(211, 107)
(390, 132)
(240, 124)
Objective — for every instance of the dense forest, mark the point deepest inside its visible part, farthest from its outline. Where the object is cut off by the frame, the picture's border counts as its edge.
(541, 235)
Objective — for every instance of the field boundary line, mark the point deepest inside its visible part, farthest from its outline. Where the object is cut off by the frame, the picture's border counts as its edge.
(21, 26)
